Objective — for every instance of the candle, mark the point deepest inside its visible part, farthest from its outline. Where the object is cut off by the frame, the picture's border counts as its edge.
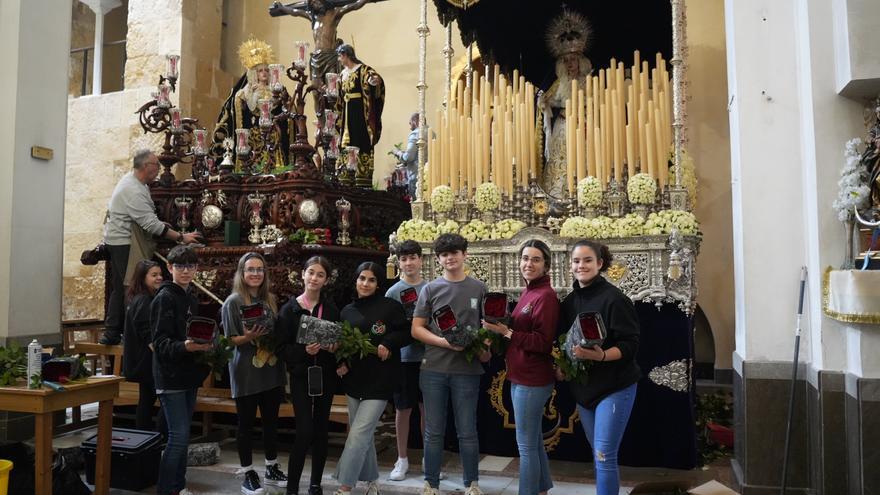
(175, 119)
(597, 149)
(164, 100)
(333, 151)
(330, 121)
(643, 143)
(275, 76)
(352, 154)
(649, 145)
(630, 157)
(332, 83)
(662, 162)
(171, 66)
(581, 159)
(265, 105)
(242, 136)
(300, 60)
(200, 138)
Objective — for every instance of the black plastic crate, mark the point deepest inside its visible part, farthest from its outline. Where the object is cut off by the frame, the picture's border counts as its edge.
(134, 458)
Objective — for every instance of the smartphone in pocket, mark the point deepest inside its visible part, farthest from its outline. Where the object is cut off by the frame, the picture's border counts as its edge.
(316, 381)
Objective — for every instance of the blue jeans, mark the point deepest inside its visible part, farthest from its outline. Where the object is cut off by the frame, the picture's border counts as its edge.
(528, 409)
(358, 459)
(437, 388)
(604, 427)
(178, 408)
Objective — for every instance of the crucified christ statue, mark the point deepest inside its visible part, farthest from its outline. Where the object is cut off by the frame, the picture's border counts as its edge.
(324, 16)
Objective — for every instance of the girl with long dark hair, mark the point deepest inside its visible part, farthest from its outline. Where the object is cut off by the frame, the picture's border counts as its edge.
(137, 352)
(369, 382)
(606, 398)
(312, 411)
(530, 364)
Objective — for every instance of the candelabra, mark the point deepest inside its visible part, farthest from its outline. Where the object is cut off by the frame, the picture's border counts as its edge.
(160, 116)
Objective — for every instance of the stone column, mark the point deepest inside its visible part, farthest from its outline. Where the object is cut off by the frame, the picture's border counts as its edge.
(100, 8)
(788, 127)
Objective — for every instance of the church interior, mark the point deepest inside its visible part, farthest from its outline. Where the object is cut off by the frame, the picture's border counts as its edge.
(726, 152)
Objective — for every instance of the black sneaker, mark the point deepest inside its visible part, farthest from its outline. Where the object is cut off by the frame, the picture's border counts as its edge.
(274, 476)
(251, 484)
(316, 490)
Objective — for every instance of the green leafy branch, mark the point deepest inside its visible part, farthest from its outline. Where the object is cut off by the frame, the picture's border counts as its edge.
(13, 364)
(354, 343)
(218, 357)
(576, 370)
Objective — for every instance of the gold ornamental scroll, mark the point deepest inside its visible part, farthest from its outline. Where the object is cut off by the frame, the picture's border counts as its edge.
(851, 296)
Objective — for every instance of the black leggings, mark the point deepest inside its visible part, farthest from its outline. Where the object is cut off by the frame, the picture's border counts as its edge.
(144, 412)
(312, 416)
(268, 402)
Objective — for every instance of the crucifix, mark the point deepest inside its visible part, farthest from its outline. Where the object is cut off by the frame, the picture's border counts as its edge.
(324, 16)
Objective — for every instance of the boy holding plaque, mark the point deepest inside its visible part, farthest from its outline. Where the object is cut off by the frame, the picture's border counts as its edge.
(176, 373)
(406, 291)
(445, 371)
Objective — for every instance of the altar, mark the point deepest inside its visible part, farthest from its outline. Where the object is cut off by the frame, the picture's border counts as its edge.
(502, 164)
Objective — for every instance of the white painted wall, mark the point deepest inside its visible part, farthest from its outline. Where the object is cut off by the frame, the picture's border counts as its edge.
(34, 84)
(788, 129)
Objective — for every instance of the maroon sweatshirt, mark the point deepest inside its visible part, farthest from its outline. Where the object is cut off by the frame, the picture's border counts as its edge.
(535, 318)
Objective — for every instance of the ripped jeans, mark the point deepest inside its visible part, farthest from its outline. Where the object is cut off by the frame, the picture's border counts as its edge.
(604, 426)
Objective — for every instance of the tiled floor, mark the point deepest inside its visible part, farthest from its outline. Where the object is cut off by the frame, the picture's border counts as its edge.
(498, 475)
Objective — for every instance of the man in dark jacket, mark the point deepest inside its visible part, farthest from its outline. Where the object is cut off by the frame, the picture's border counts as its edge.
(176, 372)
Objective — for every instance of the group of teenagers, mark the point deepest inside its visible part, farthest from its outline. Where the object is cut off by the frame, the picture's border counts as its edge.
(414, 365)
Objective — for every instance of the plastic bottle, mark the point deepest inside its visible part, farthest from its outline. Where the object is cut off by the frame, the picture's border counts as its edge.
(34, 363)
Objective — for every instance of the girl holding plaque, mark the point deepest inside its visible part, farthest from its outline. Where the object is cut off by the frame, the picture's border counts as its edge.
(312, 372)
(137, 352)
(605, 398)
(530, 364)
(257, 379)
(369, 380)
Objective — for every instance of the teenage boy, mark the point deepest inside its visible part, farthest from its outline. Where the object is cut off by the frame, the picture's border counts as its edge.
(176, 373)
(406, 291)
(445, 372)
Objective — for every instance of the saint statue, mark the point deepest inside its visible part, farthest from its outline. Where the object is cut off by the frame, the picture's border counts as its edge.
(361, 100)
(255, 56)
(871, 159)
(324, 16)
(566, 39)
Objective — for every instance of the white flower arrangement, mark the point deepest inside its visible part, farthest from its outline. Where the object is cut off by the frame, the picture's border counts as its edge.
(447, 227)
(577, 227)
(630, 225)
(641, 189)
(662, 223)
(604, 227)
(688, 176)
(417, 230)
(475, 230)
(442, 199)
(507, 228)
(589, 192)
(487, 197)
(853, 183)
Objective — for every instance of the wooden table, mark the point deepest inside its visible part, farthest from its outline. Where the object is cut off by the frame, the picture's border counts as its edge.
(44, 401)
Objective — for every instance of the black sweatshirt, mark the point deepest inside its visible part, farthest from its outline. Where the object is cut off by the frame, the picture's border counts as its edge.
(137, 358)
(622, 324)
(384, 321)
(295, 355)
(174, 368)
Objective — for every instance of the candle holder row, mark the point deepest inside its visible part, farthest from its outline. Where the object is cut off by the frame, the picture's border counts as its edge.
(533, 207)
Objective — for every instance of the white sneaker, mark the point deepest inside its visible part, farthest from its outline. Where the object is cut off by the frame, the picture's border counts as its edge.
(341, 492)
(372, 488)
(429, 490)
(185, 492)
(401, 467)
(474, 489)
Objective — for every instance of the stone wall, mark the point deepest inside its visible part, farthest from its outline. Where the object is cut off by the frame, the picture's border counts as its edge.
(103, 131)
